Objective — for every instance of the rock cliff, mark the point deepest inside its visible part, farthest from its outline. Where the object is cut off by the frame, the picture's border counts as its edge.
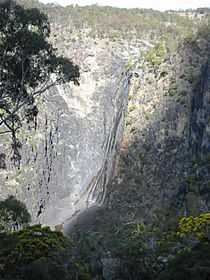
(134, 136)
(163, 170)
(68, 154)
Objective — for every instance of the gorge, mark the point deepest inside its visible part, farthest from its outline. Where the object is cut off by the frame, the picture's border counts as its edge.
(129, 146)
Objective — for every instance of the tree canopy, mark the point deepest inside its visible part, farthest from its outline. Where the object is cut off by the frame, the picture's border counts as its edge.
(39, 253)
(13, 214)
(27, 60)
(119, 251)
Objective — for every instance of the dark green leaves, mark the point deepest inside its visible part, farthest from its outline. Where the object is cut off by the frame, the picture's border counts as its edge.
(39, 253)
(27, 60)
(13, 214)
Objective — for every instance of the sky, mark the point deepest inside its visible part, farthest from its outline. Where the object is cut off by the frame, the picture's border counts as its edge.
(154, 4)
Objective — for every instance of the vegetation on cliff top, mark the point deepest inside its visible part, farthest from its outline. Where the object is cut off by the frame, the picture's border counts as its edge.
(116, 248)
(116, 23)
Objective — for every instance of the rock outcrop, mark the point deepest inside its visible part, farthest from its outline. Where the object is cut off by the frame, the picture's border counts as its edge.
(68, 155)
(77, 154)
(163, 172)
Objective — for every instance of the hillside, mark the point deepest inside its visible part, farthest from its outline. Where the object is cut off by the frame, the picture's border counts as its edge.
(117, 162)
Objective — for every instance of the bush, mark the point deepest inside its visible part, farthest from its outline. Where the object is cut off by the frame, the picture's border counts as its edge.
(191, 79)
(39, 253)
(192, 178)
(189, 264)
(13, 214)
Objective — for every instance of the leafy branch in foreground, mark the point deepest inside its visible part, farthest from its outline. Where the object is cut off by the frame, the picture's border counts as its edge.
(27, 60)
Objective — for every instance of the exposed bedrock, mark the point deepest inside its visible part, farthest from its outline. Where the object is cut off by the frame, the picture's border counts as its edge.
(68, 156)
(200, 118)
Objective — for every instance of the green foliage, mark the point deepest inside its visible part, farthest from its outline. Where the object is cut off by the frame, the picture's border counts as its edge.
(59, 228)
(155, 55)
(189, 37)
(39, 253)
(189, 264)
(147, 252)
(134, 129)
(163, 72)
(195, 227)
(207, 159)
(27, 60)
(90, 248)
(129, 122)
(192, 178)
(138, 250)
(118, 23)
(150, 80)
(132, 107)
(151, 57)
(160, 50)
(191, 79)
(124, 157)
(13, 214)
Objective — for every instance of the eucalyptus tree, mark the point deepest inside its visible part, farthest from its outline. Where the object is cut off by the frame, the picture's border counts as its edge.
(27, 62)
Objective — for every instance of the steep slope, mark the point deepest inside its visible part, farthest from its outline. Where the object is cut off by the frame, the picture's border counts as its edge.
(68, 154)
(160, 163)
(164, 160)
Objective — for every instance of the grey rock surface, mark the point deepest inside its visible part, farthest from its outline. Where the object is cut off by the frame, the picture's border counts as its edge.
(68, 156)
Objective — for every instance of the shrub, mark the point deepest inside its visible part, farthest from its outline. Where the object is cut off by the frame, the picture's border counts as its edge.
(13, 214)
(192, 178)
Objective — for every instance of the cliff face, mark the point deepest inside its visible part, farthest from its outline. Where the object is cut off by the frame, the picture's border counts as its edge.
(200, 117)
(68, 154)
(164, 160)
(77, 153)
